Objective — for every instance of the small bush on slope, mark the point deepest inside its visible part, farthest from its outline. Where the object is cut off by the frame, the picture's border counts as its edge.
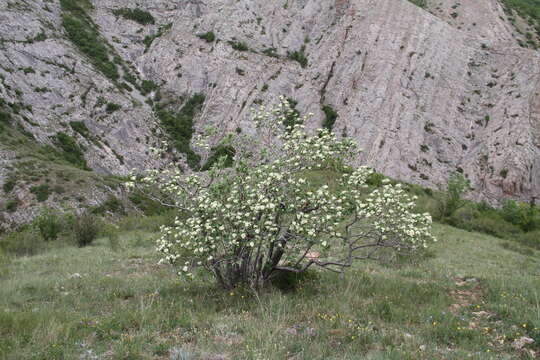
(49, 224)
(86, 229)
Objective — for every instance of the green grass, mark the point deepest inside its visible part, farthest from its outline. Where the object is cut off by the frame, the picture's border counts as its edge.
(84, 34)
(180, 125)
(9, 184)
(218, 152)
(529, 10)
(62, 168)
(292, 119)
(87, 39)
(41, 192)
(207, 36)
(111, 205)
(5, 118)
(120, 304)
(81, 128)
(112, 107)
(420, 3)
(11, 205)
(148, 86)
(330, 117)
(299, 56)
(526, 8)
(238, 45)
(138, 15)
(71, 151)
(149, 39)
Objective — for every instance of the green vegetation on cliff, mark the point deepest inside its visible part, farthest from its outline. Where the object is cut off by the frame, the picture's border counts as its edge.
(71, 151)
(526, 8)
(138, 15)
(180, 125)
(84, 34)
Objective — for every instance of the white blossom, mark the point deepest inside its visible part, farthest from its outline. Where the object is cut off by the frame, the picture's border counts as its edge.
(266, 204)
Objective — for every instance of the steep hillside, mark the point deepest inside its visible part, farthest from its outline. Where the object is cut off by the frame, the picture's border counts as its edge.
(65, 112)
(426, 89)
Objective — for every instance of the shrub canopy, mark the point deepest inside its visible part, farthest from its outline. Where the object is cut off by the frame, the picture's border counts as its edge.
(262, 215)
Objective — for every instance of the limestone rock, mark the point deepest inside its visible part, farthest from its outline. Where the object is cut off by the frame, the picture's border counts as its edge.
(425, 92)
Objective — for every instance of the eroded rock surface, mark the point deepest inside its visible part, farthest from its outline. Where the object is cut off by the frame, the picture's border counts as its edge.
(425, 92)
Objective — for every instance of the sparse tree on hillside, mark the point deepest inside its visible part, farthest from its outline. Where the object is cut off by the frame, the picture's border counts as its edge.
(453, 200)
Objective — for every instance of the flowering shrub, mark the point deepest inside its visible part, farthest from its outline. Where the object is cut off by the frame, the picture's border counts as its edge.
(246, 222)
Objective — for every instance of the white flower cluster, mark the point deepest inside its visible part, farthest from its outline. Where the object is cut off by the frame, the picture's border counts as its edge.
(251, 214)
(390, 211)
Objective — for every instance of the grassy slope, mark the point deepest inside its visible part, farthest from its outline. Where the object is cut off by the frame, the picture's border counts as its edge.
(37, 165)
(125, 306)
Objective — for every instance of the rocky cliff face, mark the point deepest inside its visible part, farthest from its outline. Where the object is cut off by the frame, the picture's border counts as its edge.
(425, 92)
